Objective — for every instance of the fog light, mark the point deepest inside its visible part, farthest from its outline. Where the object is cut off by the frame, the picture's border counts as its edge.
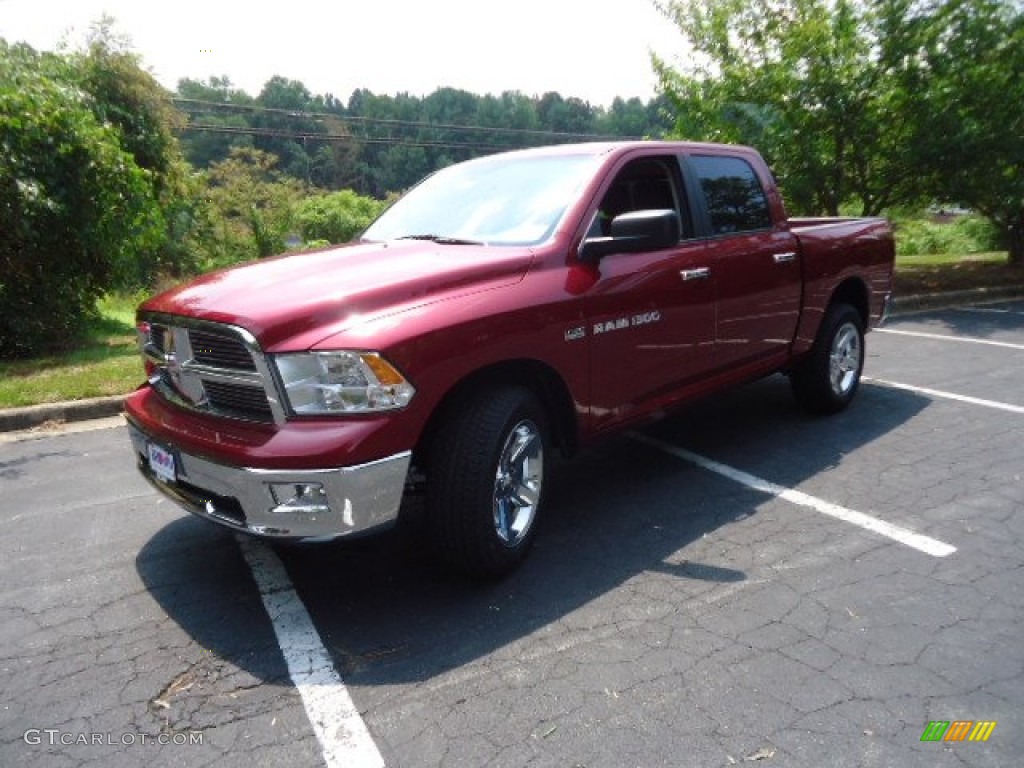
(305, 498)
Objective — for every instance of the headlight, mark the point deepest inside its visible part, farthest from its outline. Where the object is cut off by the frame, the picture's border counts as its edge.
(342, 382)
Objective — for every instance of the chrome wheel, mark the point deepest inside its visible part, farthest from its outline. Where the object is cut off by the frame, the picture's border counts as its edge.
(485, 469)
(845, 359)
(517, 483)
(827, 378)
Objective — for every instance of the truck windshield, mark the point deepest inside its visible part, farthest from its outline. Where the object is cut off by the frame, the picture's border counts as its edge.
(499, 200)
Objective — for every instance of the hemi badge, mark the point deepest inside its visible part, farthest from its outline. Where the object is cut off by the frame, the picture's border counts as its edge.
(575, 333)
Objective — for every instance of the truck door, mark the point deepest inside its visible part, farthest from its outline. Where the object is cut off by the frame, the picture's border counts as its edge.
(756, 266)
(650, 316)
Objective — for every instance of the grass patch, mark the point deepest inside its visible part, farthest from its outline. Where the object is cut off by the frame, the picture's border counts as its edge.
(107, 363)
(921, 274)
(921, 233)
(944, 259)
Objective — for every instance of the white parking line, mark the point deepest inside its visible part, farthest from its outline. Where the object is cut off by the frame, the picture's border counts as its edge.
(343, 735)
(945, 337)
(989, 310)
(922, 543)
(946, 395)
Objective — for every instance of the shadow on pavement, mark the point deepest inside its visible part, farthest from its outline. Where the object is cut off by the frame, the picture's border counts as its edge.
(197, 574)
(617, 512)
(981, 322)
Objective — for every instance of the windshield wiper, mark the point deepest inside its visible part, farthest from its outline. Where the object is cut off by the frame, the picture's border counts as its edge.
(443, 240)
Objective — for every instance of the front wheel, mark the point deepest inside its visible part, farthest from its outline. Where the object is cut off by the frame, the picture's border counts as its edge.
(485, 479)
(828, 378)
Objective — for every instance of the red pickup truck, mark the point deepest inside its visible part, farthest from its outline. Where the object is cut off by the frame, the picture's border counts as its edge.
(504, 309)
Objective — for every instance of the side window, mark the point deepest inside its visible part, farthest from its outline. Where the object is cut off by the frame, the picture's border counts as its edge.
(646, 184)
(735, 198)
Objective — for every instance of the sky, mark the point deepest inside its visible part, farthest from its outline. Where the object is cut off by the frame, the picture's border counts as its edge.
(594, 51)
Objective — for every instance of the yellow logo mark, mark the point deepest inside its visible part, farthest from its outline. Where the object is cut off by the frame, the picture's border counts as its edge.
(982, 730)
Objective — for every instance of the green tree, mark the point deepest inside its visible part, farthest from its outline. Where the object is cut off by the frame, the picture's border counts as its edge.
(127, 97)
(812, 83)
(378, 144)
(251, 205)
(624, 118)
(569, 116)
(76, 209)
(448, 107)
(217, 119)
(288, 131)
(970, 118)
(336, 217)
(510, 112)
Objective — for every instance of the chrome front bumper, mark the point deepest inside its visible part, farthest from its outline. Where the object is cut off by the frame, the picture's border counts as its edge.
(351, 500)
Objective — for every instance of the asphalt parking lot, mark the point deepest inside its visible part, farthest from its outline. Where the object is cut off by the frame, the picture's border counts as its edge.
(738, 584)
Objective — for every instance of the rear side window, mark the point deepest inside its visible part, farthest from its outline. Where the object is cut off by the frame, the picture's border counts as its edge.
(735, 198)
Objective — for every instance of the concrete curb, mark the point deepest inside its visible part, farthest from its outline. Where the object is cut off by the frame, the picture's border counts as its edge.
(12, 419)
(918, 303)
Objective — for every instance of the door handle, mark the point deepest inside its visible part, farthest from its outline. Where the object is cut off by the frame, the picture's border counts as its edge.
(782, 258)
(700, 273)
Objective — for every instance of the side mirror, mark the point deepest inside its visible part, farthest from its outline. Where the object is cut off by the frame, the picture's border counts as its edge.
(635, 232)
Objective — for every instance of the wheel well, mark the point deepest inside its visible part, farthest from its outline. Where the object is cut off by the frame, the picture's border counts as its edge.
(545, 383)
(853, 292)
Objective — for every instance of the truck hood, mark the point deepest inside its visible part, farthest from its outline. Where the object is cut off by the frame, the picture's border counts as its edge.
(291, 302)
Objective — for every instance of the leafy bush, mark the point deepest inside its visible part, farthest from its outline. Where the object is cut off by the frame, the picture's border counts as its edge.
(962, 235)
(249, 209)
(76, 211)
(127, 97)
(337, 217)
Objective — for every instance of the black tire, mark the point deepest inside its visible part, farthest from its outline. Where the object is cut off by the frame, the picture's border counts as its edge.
(828, 378)
(485, 477)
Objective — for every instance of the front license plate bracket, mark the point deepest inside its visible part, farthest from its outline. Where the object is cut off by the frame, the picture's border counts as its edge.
(162, 463)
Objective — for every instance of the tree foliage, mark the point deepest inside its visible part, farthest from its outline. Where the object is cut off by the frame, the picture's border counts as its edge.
(970, 120)
(379, 144)
(874, 102)
(807, 81)
(126, 96)
(220, 107)
(77, 211)
(337, 217)
(251, 205)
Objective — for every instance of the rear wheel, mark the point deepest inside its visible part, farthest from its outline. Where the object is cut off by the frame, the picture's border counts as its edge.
(828, 378)
(485, 479)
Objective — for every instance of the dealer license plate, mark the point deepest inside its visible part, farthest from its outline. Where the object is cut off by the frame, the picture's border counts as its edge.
(162, 463)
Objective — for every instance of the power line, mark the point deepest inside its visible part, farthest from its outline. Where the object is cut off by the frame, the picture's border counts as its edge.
(396, 123)
(341, 137)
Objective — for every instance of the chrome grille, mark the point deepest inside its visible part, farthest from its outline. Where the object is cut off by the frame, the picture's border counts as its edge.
(231, 399)
(222, 350)
(209, 367)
